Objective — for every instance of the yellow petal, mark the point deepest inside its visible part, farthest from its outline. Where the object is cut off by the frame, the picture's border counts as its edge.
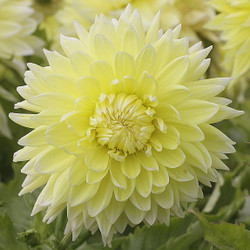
(55, 138)
(130, 40)
(81, 62)
(152, 34)
(198, 72)
(77, 172)
(27, 153)
(61, 84)
(170, 158)
(37, 182)
(35, 138)
(145, 60)
(148, 162)
(46, 117)
(197, 57)
(61, 189)
(71, 44)
(79, 123)
(189, 189)
(158, 190)
(174, 94)
(144, 183)
(97, 159)
(101, 199)
(124, 194)
(161, 177)
(103, 225)
(218, 164)
(167, 112)
(180, 174)
(82, 193)
(23, 120)
(124, 65)
(103, 72)
(173, 73)
(146, 86)
(59, 63)
(131, 166)
(194, 156)
(205, 91)
(134, 214)
(197, 111)
(152, 214)
(189, 132)
(93, 177)
(104, 48)
(117, 175)
(114, 210)
(165, 199)
(52, 160)
(140, 202)
(164, 47)
(170, 139)
(53, 101)
(90, 87)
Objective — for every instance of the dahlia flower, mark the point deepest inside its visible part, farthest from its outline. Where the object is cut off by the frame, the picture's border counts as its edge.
(16, 28)
(122, 126)
(233, 20)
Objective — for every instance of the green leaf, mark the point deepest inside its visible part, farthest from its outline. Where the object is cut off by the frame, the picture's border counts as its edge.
(18, 208)
(244, 213)
(185, 241)
(116, 243)
(181, 231)
(8, 235)
(228, 197)
(225, 235)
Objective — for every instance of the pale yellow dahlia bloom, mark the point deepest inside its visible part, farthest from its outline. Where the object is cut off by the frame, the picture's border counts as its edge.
(16, 28)
(233, 20)
(122, 126)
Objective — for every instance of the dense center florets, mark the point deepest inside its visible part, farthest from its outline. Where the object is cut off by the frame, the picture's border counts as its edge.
(122, 123)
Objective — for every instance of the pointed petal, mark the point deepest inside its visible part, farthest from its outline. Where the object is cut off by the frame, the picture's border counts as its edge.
(101, 199)
(148, 162)
(170, 158)
(131, 166)
(144, 183)
(116, 174)
(165, 199)
(77, 172)
(97, 159)
(82, 193)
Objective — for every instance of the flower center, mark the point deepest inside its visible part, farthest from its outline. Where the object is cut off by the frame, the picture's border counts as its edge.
(122, 123)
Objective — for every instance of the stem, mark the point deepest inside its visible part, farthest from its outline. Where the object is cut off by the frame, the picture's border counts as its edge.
(85, 236)
(65, 241)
